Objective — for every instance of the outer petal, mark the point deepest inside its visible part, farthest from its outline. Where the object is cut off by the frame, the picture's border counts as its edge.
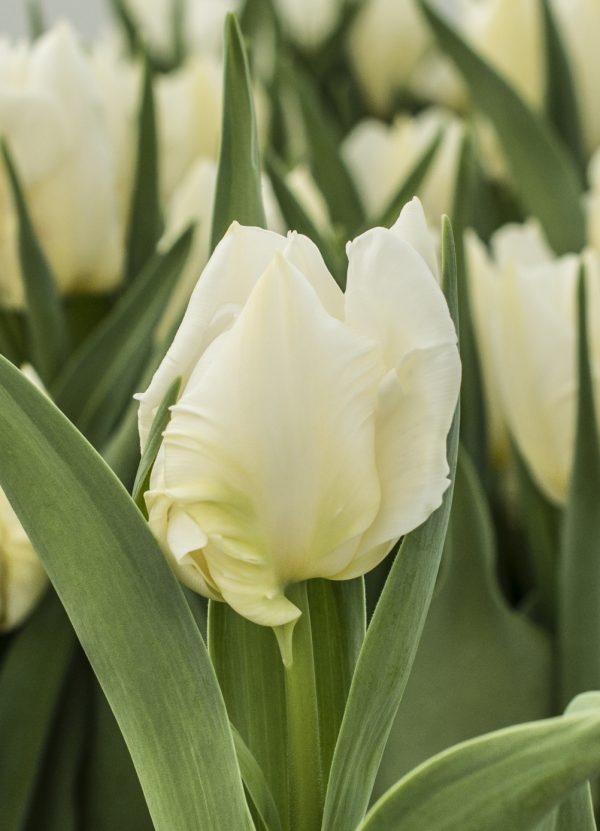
(392, 296)
(416, 406)
(412, 227)
(270, 450)
(230, 275)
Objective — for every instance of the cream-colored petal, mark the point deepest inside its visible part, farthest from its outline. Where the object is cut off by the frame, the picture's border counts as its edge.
(302, 253)
(393, 297)
(230, 275)
(271, 445)
(416, 407)
(524, 245)
(412, 227)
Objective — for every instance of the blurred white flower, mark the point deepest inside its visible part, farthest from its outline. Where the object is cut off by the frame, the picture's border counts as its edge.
(526, 321)
(52, 119)
(202, 24)
(380, 157)
(579, 23)
(309, 23)
(391, 49)
(310, 431)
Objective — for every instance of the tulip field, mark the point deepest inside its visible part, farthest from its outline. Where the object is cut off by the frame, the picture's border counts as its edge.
(300, 416)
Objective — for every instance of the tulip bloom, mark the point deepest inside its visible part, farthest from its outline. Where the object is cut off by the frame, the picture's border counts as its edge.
(310, 430)
(51, 116)
(22, 576)
(526, 321)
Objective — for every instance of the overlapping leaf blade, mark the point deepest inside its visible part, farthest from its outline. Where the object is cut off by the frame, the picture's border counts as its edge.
(106, 566)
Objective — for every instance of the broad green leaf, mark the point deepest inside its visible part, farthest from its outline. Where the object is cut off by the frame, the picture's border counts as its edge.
(99, 380)
(410, 185)
(472, 407)
(56, 804)
(531, 147)
(298, 220)
(322, 137)
(145, 212)
(561, 96)
(579, 566)
(109, 570)
(494, 667)
(32, 676)
(250, 672)
(576, 811)
(46, 326)
(11, 340)
(113, 798)
(389, 649)
(238, 193)
(508, 779)
(257, 786)
(338, 623)
(159, 425)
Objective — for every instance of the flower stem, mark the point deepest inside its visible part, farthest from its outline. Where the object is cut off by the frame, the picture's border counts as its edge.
(305, 775)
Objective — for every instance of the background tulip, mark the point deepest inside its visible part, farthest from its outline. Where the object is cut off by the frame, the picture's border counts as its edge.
(48, 90)
(311, 425)
(525, 313)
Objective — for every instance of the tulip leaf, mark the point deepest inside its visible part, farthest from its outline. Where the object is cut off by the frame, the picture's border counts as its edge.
(55, 805)
(35, 19)
(46, 326)
(472, 407)
(579, 566)
(561, 96)
(388, 652)
(11, 340)
(323, 140)
(257, 786)
(494, 666)
(530, 145)
(410, 185)
(107, 567)
(127, 24)
(508, 779)
(297, 219)
(146, 224)
(113, 797)
(238, 193)
(32, 677)
(250, 672)
(102, 375)
(159, 425)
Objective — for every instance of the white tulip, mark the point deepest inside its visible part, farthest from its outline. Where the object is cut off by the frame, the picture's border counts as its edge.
(310, 430)
(391, 49)
(52, 119)
(579, 24)
(510, 35)
(201, 28)
(380, 157)
(22, 576)
(526, 320)
(309, 23)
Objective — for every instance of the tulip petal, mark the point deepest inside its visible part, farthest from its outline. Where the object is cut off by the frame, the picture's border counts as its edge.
(393, 297)
(272, 446)
(412, 227)
(416, 407)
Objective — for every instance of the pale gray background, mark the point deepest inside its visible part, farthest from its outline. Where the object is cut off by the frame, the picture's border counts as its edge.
(88, 15)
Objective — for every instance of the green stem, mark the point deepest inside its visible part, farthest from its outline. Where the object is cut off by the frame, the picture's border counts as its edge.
(304, 773)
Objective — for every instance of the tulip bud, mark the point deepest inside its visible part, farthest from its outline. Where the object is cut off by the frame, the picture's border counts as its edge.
(526, 322)
(50, 115)
(309, 23)
(380, 157)
(310, 430)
